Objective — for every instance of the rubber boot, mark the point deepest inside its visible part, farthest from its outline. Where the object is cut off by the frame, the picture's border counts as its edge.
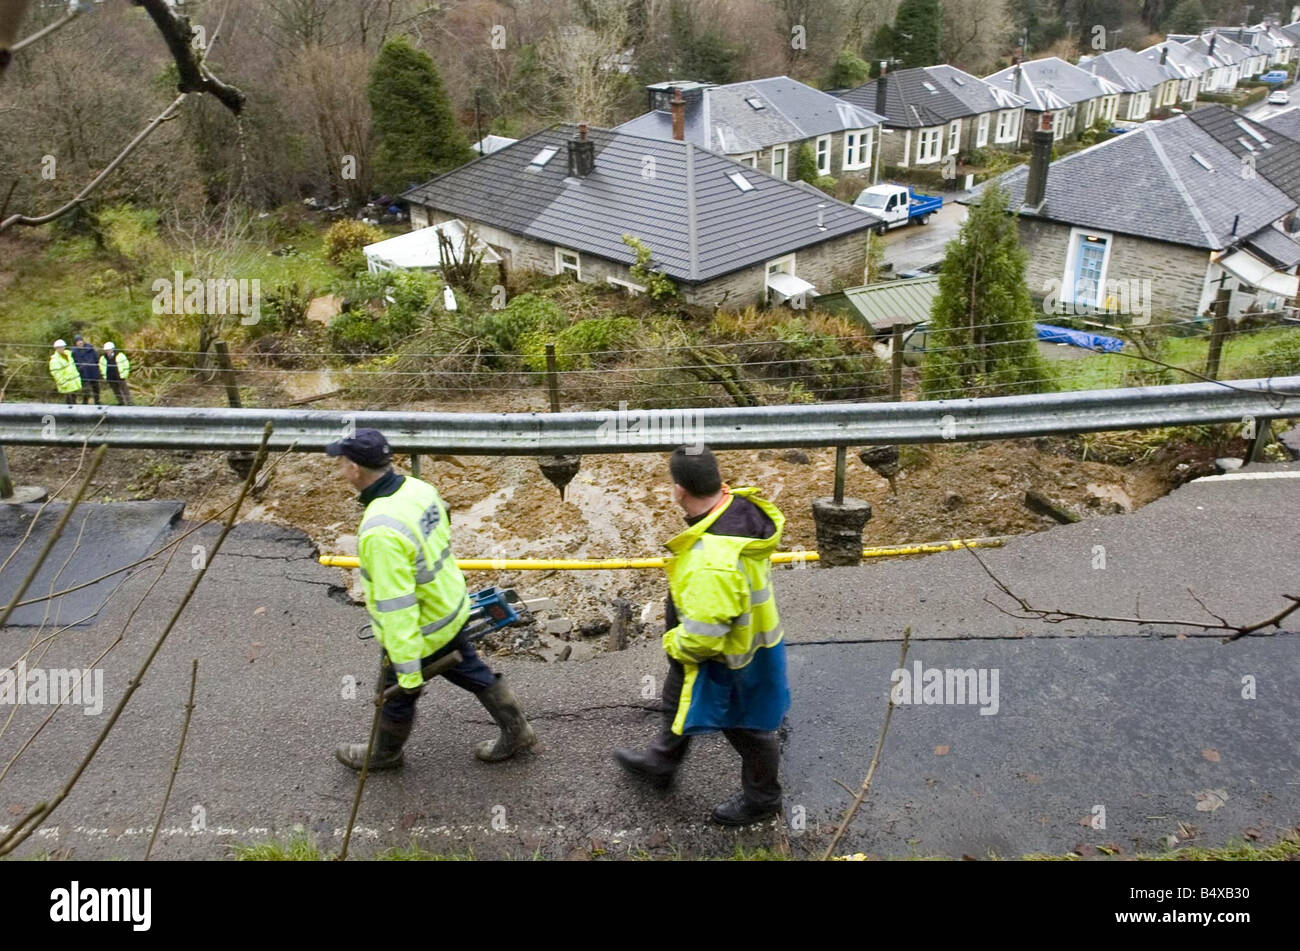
(516, 734)
(657, 765)
(760, 797)
(388, 748)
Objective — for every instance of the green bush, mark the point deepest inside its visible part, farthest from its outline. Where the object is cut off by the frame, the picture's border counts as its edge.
(348, 234)
(805, 164)
(502, 330)
(358, 330)
(1281, 358)
(579, 345)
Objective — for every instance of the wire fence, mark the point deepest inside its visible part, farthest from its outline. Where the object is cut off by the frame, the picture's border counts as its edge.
(854, 370)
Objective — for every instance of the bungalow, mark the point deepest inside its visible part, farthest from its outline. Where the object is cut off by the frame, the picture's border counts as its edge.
(939, 111)
(1226, 57)
(561, 200)
(1283, 42)
(1179, 224)
(1076, 98)
(1187, 64)
(762, 123)
(1147, 85)
(1285, 123)
(1257, 44)
(1260, 150)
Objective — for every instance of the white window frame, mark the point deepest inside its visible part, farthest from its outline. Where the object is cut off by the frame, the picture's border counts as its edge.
(1060, 119)
(1071, 257)
(779, 266)
(785, 162)
(561, 267)
(1007, 127)
(822, 152)
(632, 288)
(857, 149)
(750, 159)
(982, 131)
(1139, 106)
(1090, 114)
(932, 137)
(954, 137)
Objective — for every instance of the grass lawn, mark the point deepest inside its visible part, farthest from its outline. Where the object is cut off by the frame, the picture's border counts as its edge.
(1239, 360)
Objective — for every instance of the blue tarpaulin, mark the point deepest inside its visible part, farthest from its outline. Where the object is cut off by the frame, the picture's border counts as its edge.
(1078, 338)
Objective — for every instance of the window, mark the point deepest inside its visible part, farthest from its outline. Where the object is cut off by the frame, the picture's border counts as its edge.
(982, 131)
(1090, 113)
(783, 265)
(1008, 125)
(755, 103)
(740, 181)
(751, 159)
(778, 161)
(823, 150)
(541, 158)
(1060, 121)
(857, 149)
(954, 137)
(568, 261)
(927, 145)
(1139, 105)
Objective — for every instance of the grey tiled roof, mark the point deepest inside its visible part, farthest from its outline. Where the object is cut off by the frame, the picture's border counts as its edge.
(1131, 72)
(1286, 122)
(1272, 244)
(723, 120)
(696, 221)
(1184, 60)
(932, 95)
(1275, 156)
(1165, 194)
(1052, 83)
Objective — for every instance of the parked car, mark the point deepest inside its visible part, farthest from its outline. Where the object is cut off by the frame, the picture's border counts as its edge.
(1278, 98)
(896, 205)
(1274, 76)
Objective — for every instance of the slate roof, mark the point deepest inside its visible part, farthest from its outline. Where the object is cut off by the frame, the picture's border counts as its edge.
(1275, 246)
(696, 221)
(723, 120)
(1128, 70)
(1276, 157)
(1226, 52)
(1184, 60)
(1286, 123)
(927, 96)
(1165, 194)
(1052, 83)
(1292, 30)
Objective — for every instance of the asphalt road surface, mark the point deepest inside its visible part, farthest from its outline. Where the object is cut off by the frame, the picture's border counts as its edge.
(1105, 733)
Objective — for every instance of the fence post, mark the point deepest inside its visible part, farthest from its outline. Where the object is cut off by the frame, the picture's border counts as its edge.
(896, 358)
(1217, 333)
(227, 374)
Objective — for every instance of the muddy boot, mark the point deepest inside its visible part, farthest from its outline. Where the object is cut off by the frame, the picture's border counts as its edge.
(388, 748)
(657, 765)
(516, 734)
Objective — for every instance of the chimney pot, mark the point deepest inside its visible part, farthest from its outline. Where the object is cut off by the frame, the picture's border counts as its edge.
(1164, 54)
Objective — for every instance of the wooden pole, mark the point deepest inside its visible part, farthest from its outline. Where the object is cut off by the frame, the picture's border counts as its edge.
(896, 358)
(1217, 333)
(552, 378)
(227, 374)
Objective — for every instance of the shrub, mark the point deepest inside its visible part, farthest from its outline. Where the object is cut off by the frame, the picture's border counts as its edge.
(657, 285)
(348, 234)
(358, 330)
(579, 345)
(502, 330)
(805, 164)
(1281, 358)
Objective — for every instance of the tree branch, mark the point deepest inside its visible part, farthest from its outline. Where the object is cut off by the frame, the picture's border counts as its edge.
(194, 76)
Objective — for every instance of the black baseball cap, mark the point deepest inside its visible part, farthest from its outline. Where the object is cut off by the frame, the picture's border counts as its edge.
(365, 447)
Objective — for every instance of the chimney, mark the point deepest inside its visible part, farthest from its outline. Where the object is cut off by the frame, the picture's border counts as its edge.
(1039, 162)
(880, 90)
(1015, 85)
(1213, 38)
(1164, 54)
(582, 154)
(679, 116)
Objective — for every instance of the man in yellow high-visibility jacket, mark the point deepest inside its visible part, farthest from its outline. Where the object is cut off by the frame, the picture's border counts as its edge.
(63, 368)
(418, 603)
(114, 367)
(725, 647)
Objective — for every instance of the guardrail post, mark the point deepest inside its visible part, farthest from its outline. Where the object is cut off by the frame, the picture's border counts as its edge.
(6, 483)
(16, 494)
(840, 521)
(559, 470)
(1263, 434)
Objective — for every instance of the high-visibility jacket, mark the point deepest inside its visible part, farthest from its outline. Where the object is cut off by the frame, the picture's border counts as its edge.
(415, 593)
(728, 634)
(123, 365)
(67, 378)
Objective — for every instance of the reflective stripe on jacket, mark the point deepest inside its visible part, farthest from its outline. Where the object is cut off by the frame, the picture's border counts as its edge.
(120, 361)
(728, 633)
(64, 370)
(415, 593)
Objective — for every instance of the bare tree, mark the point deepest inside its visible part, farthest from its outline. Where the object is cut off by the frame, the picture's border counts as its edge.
(584, 61)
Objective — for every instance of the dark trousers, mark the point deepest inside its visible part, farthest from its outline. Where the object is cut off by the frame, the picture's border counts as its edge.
(89, 389)
(70, 398)
(470, 674)
(121, 392)
(760, 750)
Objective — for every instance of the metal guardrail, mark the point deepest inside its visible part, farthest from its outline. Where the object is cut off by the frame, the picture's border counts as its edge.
(630, 430)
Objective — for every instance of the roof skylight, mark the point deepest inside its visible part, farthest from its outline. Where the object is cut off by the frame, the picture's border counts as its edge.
(740, 181)
(542, 157)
